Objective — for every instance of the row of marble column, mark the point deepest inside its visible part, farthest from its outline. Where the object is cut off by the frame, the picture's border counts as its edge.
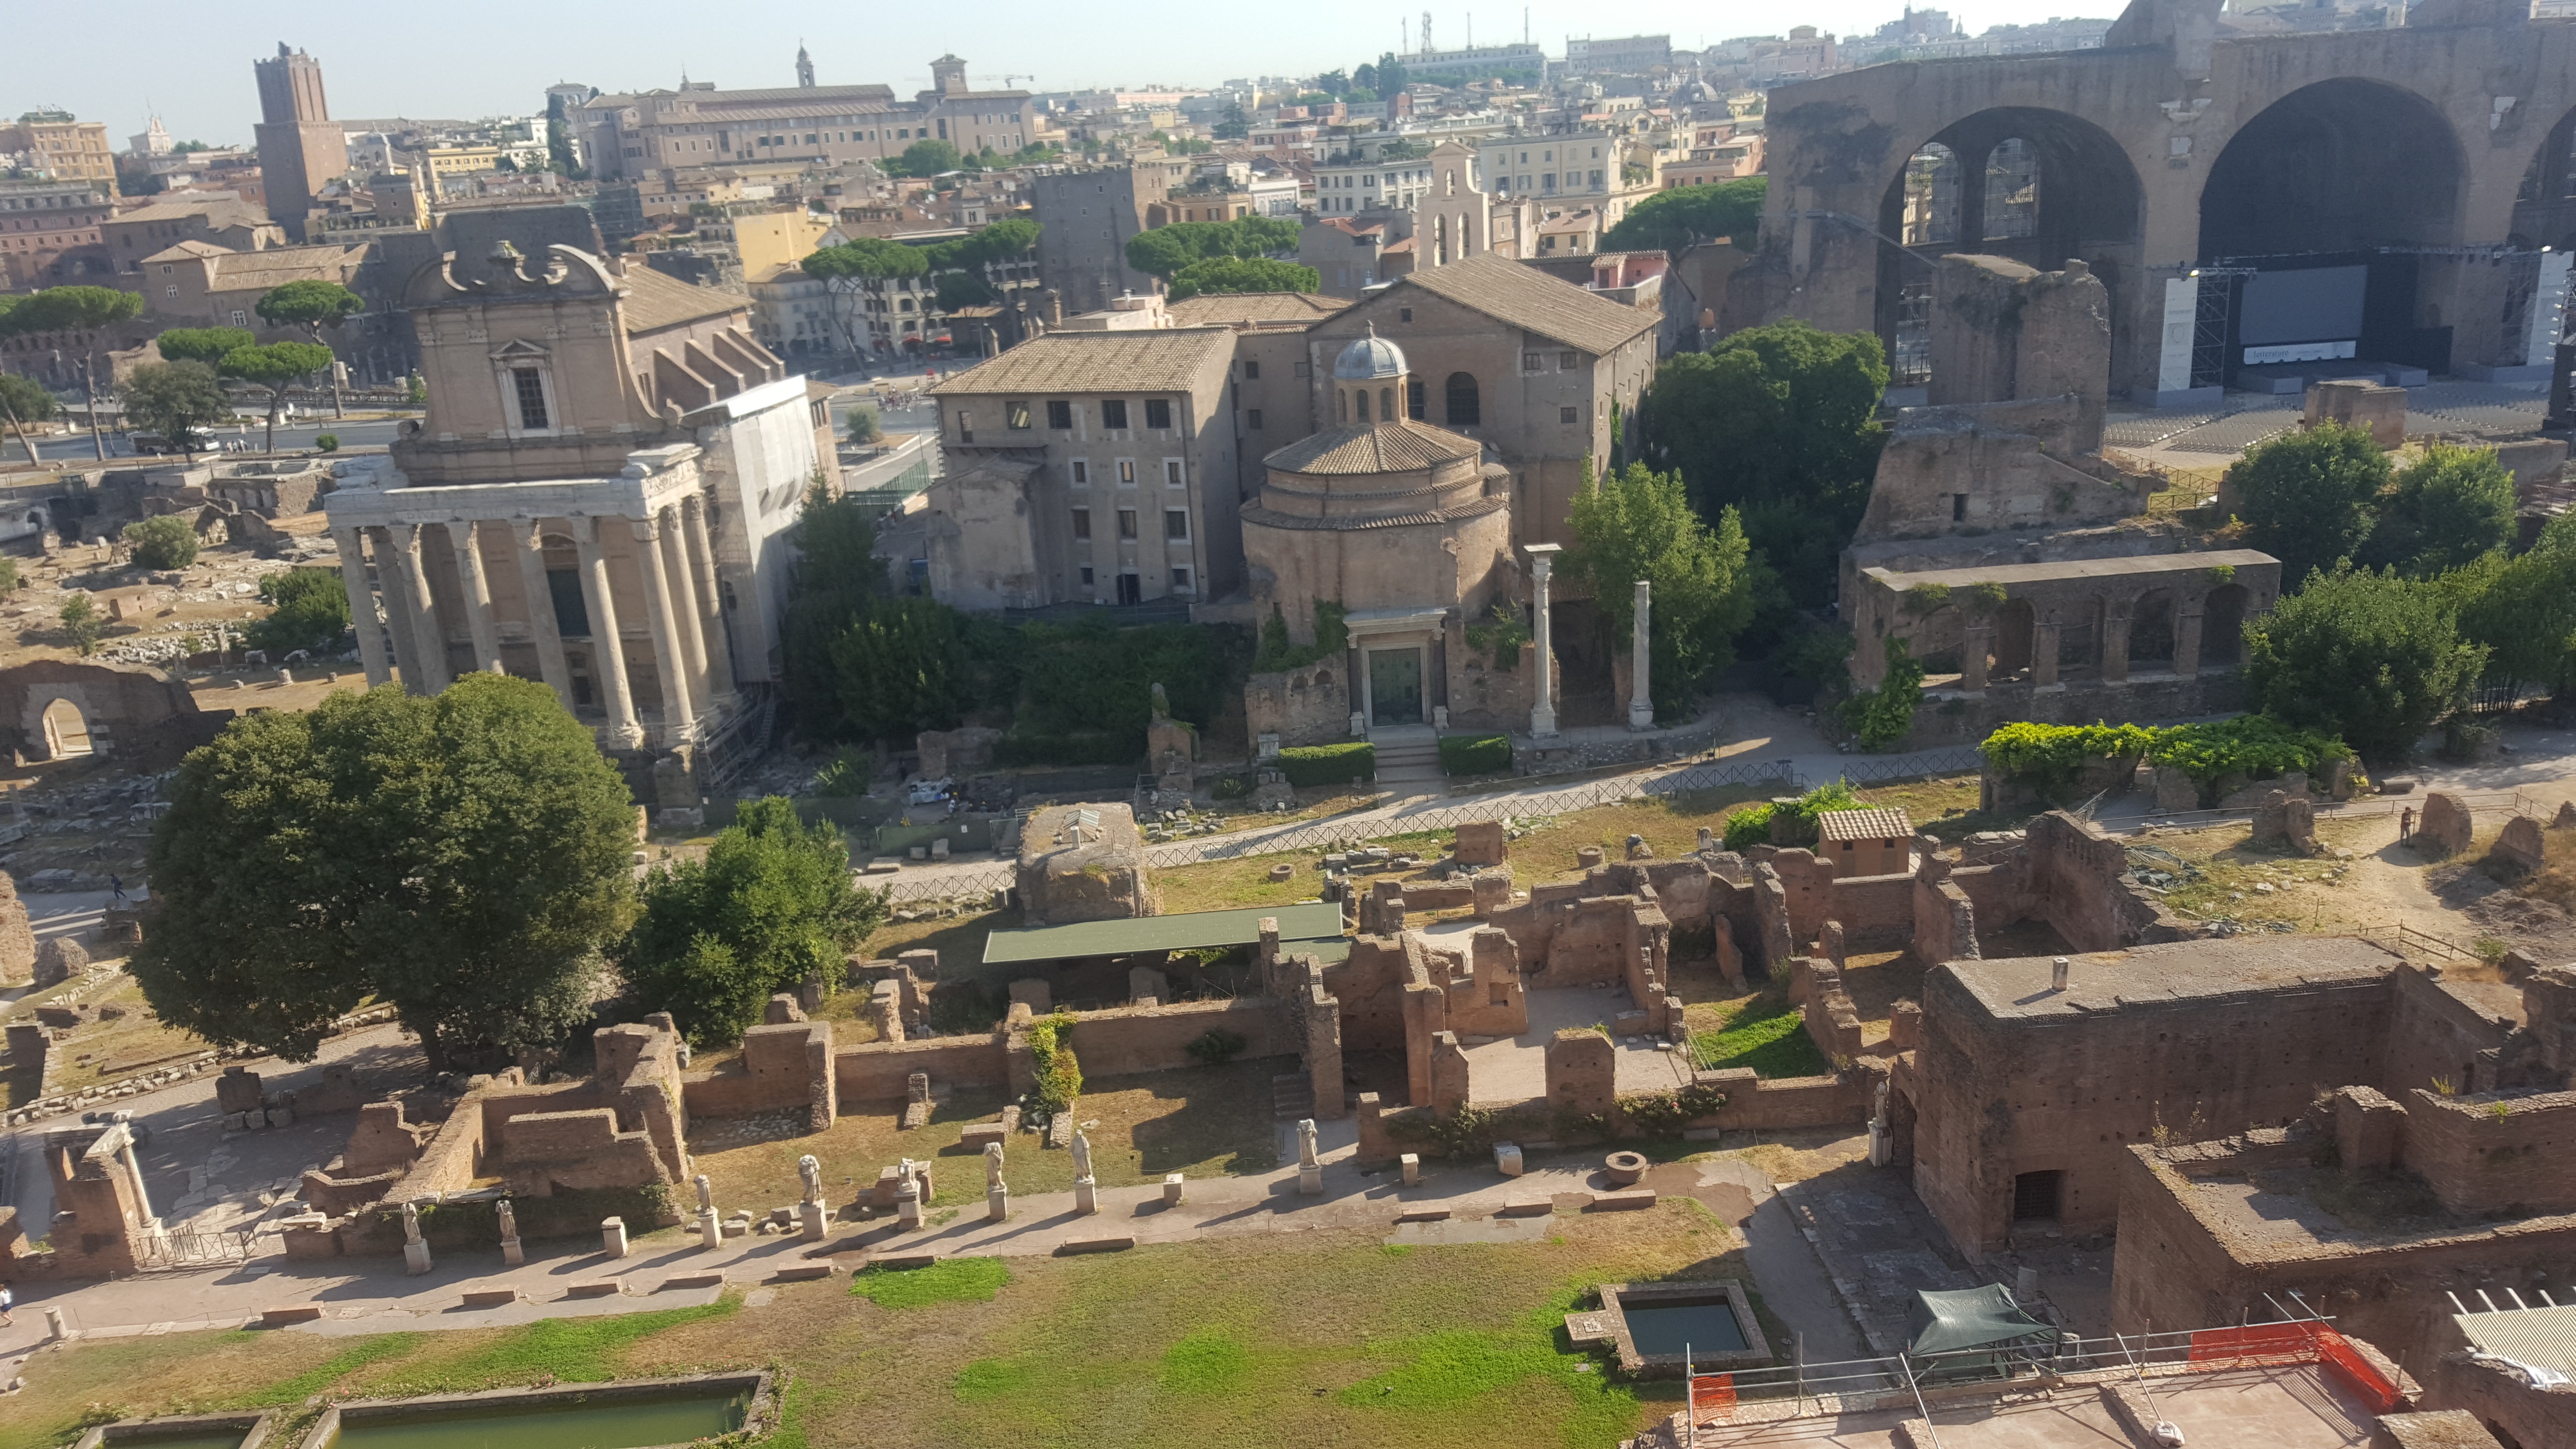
(677, 564)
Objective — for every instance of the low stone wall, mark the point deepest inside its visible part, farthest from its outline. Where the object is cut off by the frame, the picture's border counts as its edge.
(1876, 910)
(1156, 1038)
(1757, 1104)
(2508, 1155)
(579, 1149)
(877, 1071)
(789, 1065)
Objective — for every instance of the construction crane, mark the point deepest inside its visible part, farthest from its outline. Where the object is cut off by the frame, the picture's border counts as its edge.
(1006, 79)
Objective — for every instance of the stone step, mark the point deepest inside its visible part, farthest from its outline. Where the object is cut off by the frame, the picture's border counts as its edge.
(1292, 1096)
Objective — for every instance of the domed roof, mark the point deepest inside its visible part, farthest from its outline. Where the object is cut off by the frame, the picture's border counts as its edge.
(1369, 359)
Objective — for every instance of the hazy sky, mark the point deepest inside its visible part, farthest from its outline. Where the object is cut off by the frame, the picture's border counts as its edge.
(191, 62)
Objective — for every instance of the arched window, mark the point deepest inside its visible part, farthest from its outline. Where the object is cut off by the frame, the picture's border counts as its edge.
(1341, 405)
(1386, 404)
(1413, 399)
(1360, 395)
(1464, 410)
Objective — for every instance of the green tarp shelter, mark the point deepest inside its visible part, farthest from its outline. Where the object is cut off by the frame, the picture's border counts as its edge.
(1950, 1319)
(1309, 929)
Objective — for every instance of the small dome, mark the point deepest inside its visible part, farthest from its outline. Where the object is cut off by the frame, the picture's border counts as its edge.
(1369, 359)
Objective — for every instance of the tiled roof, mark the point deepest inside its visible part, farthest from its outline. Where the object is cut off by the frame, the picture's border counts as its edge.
(1218, 308)
(188, 250)
(1164, 360)
(1398, 447)
(654, 301)
(1878, 822)
(816, 94)
(230, 211)
(242, 271)
(1530, 299)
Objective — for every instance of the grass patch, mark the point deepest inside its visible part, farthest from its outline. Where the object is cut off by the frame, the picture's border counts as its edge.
(365, 1353)
(573, 1350)
(950, 1280)
(1768, 1035)
(1205, 1363)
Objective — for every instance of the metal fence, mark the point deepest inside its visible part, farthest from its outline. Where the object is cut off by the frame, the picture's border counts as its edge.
(205, 1249)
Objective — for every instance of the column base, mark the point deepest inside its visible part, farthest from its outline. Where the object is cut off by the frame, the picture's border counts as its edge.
(512, 1253)
(1542, 723)
(810, 1221)
(1310, 1180)
(1086, 1196)
(415, 1258)
(710, 1231)
(997, 1203)
(1641, 715)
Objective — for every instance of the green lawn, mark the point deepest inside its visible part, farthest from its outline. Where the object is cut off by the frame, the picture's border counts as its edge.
(1327, 1336)
(1767, 1034)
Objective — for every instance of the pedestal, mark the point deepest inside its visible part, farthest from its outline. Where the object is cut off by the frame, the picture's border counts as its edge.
(1310, 1179)
(997, 1203)
(512, 1255)
(1172, 1189)
(1878, 1144)
(612, 1237)
(1086, 1197)
(1411, 1162)
(1507, 1158)
(54, 1324)
(907, 1212)
(809, 1219)
(710, 1231)
(415, 1258)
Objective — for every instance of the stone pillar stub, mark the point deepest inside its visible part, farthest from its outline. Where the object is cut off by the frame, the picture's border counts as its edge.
(1543, 707)
(2186, 660)
(2043, 653)
(1641, 702)
(607, 650)
(366, 621)
(1975, 644)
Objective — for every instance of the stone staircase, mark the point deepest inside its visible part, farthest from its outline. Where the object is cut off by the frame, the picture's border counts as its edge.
(1292, 1096)
(1408, 759)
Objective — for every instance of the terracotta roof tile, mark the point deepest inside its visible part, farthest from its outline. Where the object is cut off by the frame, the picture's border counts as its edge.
(1530, 299)
(1878, 822)
(654, 301)
(1163, 360)
(1398, 447)
(1219, 308)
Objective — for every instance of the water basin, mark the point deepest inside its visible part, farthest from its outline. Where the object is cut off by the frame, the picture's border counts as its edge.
(1707, 1328)
(629, 1414)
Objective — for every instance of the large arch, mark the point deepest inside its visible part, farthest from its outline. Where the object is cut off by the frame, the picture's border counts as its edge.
(2338, 166)
(2038, 186)
(2544, 210)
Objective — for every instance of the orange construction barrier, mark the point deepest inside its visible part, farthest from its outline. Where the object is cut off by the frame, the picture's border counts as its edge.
(2260, 1343)
(1712, 1398)
(2357, 1373)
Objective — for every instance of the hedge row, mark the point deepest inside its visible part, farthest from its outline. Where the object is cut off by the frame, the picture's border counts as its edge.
(2254, 746)
(1475, 754)
(1329, 764)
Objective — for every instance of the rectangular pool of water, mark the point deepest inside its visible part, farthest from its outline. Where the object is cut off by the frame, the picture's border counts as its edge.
(1706, 1328)
(616, 1423)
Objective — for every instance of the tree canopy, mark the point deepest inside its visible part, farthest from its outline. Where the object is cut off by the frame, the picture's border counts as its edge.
(2524, 609)
(1638, 524)
(1165, 250)
(1243, 274)
(312, 611)
(2445, 509)
(1671, 220)
(2374, 657)
(847, 268)
(1006, 240)
(462, 857)
(202, 344)
(276, 366)
(900, 666)
(927, 158)
(771, 905)
(178, 400)
(2308, 498)
(71, 309)
(311, 304)
(162, 542)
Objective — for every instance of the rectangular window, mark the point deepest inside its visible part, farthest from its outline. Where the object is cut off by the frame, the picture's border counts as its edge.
(1086, 576)
(170, 291)
(1127, 472)
(1566, 416)
(572, 615)
(1251, 370)
(1533, 362)
(1081, 473)
(965, 427)
(1172, 471)
(532, 397)
(1404, 314)
(1253, 417)
(1158, 413)
(1016, 415)
(1181, 580)
(1082, 523)
(1176, 523)
(1958, 508)
(1113, 413)
(1568, 361)
(1060, 415)
(1126, 523)
(240, 318)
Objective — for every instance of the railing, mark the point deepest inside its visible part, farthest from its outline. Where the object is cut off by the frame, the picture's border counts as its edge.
(202, 1249)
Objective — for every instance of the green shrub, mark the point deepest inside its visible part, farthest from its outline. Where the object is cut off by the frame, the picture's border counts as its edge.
(1275, 652)
(1927, 598)
(327, 442)
(166, 542)
(1230, 787)
(1059, 1075)
(2052, 756)
(846, 774)
(1475, 754)
(1329, 764)
(1880, 717)
(1752, 826)
(1216, 1047)
(1748, 827)
(312, 611)
(2256, 746)
(1986, 597)
(1500, 636)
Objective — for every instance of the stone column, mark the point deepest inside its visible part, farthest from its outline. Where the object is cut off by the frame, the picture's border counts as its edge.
(607, 652)
(402, 627)
(478, 597)
(2115, 643)
(1641, 704)
(1543, 709)
(702, 564)
(369, 623)
(2187, 643)
(684, 602)
(431, 643)
(663, 619)
(1976, 642)
(2043, 654)
(530, 546)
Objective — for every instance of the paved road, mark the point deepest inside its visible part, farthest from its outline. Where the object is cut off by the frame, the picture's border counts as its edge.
(75, 448)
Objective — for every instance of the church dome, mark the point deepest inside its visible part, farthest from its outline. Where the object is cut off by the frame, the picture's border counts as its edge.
(1369, 359)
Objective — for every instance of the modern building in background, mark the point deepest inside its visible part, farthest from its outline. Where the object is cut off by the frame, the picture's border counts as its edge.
(60, 147)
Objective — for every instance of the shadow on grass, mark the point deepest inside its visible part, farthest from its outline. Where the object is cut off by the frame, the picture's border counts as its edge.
(1219, 1115)
(1766, 1034)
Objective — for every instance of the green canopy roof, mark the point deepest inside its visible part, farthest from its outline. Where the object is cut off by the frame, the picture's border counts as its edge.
(1311, 929)
(1954, 1318)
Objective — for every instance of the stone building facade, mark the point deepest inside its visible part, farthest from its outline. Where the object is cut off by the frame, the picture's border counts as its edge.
(599, 498)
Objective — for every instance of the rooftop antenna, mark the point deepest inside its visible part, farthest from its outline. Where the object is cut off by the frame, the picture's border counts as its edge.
(1426, 33)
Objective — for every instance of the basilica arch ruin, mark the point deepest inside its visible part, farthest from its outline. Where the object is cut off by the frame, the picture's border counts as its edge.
(2411, 178)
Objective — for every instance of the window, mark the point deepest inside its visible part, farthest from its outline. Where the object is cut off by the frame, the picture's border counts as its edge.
(1113, 413)
(1081, 473)
(531, 387)
(1532, 362)
(1060, 417)
(1413, 399)
(170, 291)
(1176, 523)
(1158, 413)
(1566, 416)
(1126, 472)
(240, 318)
(1568, 361)
(1086, 576)
(1126, 523)
(165, 266)
(965, 427)
(1082, 523)
(1465, 406)
(2035, 1195)
(1251, 370)
(1015, 415)
(1181, 580)
(1252, 419)
(1958, 508)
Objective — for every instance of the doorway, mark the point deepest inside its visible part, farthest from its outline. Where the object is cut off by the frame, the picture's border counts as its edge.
(2035, 1196)
(1131, 589)
(1395, 686)
(66, 733)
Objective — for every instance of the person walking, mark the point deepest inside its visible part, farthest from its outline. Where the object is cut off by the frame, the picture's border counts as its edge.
(7, 1302)
(2406, 823)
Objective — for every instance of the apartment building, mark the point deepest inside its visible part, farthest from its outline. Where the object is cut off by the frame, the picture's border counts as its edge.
(1350, 187)
(50, 232)
(199, 284)
(61, 147)
(700, 125)
(145, 231)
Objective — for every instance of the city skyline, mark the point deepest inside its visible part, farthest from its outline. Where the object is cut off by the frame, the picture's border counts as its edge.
(197, 78)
